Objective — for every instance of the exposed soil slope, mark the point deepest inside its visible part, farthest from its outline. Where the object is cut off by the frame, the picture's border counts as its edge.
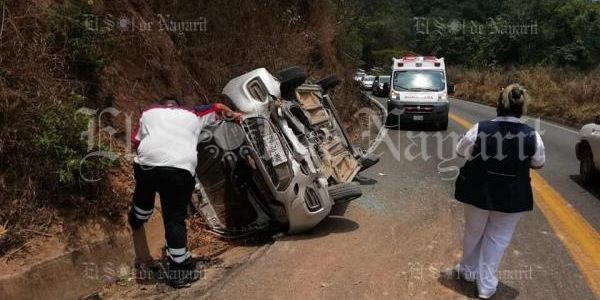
(52, 62)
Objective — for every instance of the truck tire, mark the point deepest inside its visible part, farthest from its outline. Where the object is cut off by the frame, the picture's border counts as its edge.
(443, 125)
(328, 83)
(289, 80)
(392, 121)
(345, 192)
(587, 169)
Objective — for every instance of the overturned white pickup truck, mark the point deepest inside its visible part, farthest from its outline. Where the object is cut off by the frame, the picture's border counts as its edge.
(287, 164)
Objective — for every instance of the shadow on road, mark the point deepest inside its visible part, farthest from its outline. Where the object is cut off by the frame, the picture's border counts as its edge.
(592, 189)
(393, 124)
(365, 180)
(469, 290)
(331, 225)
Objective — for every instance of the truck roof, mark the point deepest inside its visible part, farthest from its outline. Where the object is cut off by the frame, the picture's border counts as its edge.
(418, 62)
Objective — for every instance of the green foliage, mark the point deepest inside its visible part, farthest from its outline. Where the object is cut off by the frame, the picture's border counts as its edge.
(79, 41)
(58, 136)
(477, 33)
(349, 16)
(59, 140)
(383, 57)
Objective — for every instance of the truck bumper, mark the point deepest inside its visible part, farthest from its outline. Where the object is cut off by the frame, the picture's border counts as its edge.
(419, 112)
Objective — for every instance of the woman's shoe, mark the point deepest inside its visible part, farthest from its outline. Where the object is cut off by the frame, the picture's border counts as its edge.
(486, 295)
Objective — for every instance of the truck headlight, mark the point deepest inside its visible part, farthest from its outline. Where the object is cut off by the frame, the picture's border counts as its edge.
(443, 98)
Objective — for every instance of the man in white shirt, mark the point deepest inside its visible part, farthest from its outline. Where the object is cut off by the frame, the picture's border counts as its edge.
(166, 141)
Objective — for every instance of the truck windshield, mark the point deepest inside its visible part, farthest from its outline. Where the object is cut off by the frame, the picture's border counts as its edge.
(419, 80)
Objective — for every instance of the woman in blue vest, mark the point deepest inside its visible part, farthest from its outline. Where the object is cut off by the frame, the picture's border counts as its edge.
(494, 185)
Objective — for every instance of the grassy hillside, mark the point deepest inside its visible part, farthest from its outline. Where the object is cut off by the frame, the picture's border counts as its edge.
(57, 57)
(564, 96)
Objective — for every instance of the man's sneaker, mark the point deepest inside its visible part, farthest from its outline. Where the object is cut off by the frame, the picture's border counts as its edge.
(134, 222)
(183, 274)
(463, 275)
(486, 294)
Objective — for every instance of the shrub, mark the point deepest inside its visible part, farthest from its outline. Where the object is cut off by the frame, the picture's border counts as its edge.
(59, 140)
(78, 41)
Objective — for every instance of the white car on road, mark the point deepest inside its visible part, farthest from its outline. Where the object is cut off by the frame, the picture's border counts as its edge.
(367, 82)
(588, 151)
(358, 76)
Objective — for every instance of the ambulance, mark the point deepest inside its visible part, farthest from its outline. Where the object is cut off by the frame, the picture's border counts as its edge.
(419, 92)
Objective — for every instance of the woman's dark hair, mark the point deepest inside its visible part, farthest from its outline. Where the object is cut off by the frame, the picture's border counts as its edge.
(512, 101)
(165, 99)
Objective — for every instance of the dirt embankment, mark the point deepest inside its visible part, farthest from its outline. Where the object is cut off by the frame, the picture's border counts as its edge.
(59, 56)
(564, 96)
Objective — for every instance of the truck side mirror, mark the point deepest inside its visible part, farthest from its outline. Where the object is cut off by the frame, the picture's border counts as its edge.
(451, 89)
(386, 87)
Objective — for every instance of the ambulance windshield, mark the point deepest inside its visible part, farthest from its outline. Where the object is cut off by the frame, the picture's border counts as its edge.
(419, 80)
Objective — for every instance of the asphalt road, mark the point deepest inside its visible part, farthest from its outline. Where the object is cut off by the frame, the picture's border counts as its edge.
(562, 167)
(398, 239)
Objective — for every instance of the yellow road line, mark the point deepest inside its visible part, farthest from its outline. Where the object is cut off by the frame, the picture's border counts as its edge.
(577, 235)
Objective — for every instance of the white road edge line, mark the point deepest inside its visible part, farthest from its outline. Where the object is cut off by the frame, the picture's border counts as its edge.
(382, 131)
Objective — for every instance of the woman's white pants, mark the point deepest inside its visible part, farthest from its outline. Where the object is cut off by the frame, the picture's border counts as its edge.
(487, 235)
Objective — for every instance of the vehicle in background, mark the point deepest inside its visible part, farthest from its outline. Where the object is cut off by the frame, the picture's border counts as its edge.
(381, 86)
(367, 82)
(588, 151)
(358, 76)
(419, 92)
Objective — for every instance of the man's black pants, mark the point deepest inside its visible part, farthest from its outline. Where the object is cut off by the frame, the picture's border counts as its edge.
(175, 187)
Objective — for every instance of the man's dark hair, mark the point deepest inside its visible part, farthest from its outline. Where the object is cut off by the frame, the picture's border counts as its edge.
(166, 99)
(512, 101)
